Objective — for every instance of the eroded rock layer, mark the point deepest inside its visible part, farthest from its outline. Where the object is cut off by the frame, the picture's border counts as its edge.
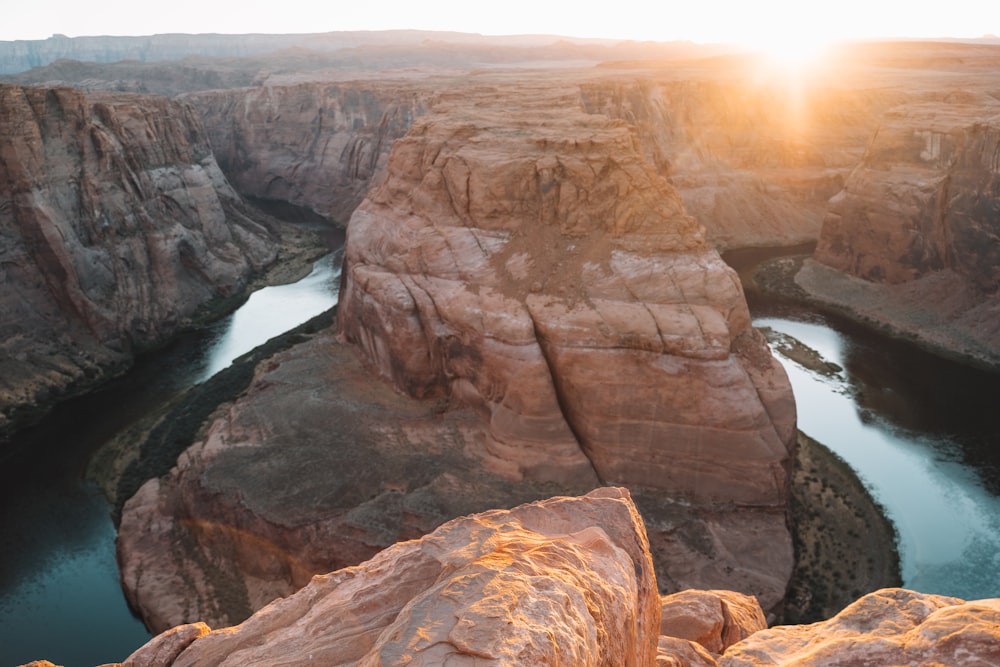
(919, 223)
(116, 227)
(317, 145)
(530, 264)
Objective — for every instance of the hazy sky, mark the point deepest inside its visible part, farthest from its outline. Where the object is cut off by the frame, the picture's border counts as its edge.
(747, 21)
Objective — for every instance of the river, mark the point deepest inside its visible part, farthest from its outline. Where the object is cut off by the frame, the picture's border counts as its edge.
(922, 432)
(60, 597)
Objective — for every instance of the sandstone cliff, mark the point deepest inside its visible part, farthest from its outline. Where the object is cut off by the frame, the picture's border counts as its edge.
(754, 153)
(116, 227)
(320, 146)
(528, 263)
(919, 222)
(565, 581)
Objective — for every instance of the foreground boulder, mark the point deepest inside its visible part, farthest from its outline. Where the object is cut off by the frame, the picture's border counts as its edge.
(566, 581)
(888, 627)
(116, 227)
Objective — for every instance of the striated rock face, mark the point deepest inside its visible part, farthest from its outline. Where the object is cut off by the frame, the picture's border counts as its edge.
(925, 198)
(566, 581)
(315, 145)
(116, 227)
(912, 243)
(529, 264)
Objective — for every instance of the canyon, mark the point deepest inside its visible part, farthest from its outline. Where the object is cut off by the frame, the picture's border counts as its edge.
(532, 305)
(119, 229)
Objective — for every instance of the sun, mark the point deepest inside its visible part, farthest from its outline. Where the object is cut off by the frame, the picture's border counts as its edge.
(792, 52)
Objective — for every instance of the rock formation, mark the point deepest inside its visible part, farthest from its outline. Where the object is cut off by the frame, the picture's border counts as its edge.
(558, 321)
(919, 222)
(316, 145)
(888, 627)
(564, 581)
(116, 227)
(529, 264)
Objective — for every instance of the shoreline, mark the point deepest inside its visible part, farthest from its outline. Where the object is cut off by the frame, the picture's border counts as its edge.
(845, 546)
(949, 329)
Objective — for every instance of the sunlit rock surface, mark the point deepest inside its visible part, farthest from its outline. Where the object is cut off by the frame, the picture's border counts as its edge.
(566, 581)
(888, 627)
(116, 226)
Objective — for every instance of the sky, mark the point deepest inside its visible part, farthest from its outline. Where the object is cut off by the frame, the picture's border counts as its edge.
(753, 22)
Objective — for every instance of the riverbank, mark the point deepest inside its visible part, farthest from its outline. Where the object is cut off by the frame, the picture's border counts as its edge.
(939, 312)
(844, 545)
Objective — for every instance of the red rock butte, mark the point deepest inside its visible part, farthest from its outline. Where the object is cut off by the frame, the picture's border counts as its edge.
(523, 259)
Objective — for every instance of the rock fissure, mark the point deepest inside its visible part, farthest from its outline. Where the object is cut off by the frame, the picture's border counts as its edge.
(564, 408)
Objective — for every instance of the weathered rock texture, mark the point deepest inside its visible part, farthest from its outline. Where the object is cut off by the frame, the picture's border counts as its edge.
(566, 581)
(888, 627)
(315, 145)
(116, 227)
(919, 222)
(529, 264)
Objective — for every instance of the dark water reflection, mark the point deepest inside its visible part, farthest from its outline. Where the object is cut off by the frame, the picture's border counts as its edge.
(60, 597)
(922, 432)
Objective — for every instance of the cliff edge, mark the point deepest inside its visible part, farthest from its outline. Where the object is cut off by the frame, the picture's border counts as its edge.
(116, 228)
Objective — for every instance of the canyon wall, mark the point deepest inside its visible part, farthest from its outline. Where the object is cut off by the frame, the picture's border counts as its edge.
(924, 198)
(116, 227)
(754, 155)
(316, 145)
(912, 242)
